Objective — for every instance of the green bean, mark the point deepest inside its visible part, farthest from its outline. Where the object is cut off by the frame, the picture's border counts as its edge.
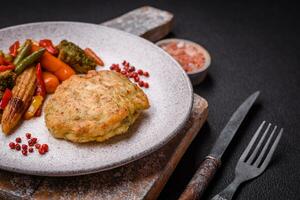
(21, 47)
(24, 51)
(29, 60)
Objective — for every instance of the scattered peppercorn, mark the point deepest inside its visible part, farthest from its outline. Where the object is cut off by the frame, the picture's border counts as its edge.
(18, 140)
(45, 147)
(37, 146)
(12, 145)
(24, 152)
(146, 85)
(24, 146)
(137, 79)
(28, 135)
(140, 72)
(18, 147)
(141, 83)
(131, 72)
(132, 69)
(41, 151)
(32, 141)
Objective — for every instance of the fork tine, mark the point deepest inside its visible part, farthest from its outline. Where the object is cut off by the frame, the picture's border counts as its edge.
(246, 152)
(270, 154)
(254, 153)
(262, 153)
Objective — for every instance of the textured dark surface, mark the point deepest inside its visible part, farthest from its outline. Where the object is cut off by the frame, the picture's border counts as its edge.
(253, 46)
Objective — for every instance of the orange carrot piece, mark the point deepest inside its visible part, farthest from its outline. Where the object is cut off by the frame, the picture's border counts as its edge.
(90, 53)
(51, 82)
(55, 65)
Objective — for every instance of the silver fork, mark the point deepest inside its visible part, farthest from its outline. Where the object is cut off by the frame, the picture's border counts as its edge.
(252, 164)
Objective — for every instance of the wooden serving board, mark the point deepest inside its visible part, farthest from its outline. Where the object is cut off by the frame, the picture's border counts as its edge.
(142, 179)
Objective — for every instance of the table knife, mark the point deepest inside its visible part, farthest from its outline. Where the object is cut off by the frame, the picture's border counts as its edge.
(212, 162)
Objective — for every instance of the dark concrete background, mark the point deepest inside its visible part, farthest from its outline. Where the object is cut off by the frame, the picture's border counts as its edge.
(254, 46)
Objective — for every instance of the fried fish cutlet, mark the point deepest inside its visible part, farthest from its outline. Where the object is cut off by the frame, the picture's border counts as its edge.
(94, 107)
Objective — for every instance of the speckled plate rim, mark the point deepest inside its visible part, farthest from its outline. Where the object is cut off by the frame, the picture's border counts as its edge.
(122, 161)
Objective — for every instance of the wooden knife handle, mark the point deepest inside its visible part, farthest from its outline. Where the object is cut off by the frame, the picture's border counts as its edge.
(201, 179)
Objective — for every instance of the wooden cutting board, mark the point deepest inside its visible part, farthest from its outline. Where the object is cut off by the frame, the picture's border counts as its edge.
(142, 179)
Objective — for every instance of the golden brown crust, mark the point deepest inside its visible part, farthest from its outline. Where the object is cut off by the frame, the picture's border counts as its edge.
(94, 107)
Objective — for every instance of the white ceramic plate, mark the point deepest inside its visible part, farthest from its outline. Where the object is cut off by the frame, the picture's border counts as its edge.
(170, 96)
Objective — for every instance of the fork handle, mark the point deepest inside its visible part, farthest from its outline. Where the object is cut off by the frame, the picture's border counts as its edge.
(201, 179)
(229, 191)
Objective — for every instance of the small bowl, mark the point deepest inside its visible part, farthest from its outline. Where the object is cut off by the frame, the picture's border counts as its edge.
(196, 76)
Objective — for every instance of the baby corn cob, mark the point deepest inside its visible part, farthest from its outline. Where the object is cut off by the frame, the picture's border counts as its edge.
(22, 94)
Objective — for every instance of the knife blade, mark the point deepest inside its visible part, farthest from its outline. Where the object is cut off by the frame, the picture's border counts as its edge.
(212, 162)
(232, 126)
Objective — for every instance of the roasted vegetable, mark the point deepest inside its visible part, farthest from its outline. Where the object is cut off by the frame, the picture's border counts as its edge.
(2, 59)
(29, 60)
(5, 98)
(74, 56)
(54, 65)
(48, 45)
(90, 53)
(22, 95)
(13, 49)
(40, 87)
(51, 82)
(7, 80)
(24, 51)
(8, 58)
(6, 67)
(5, 59)
(35, 105)
(1, 111)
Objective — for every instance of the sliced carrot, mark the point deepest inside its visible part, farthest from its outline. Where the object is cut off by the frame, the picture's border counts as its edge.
(90, 53)
(64, 73)
(55, 65)
(51, 82)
